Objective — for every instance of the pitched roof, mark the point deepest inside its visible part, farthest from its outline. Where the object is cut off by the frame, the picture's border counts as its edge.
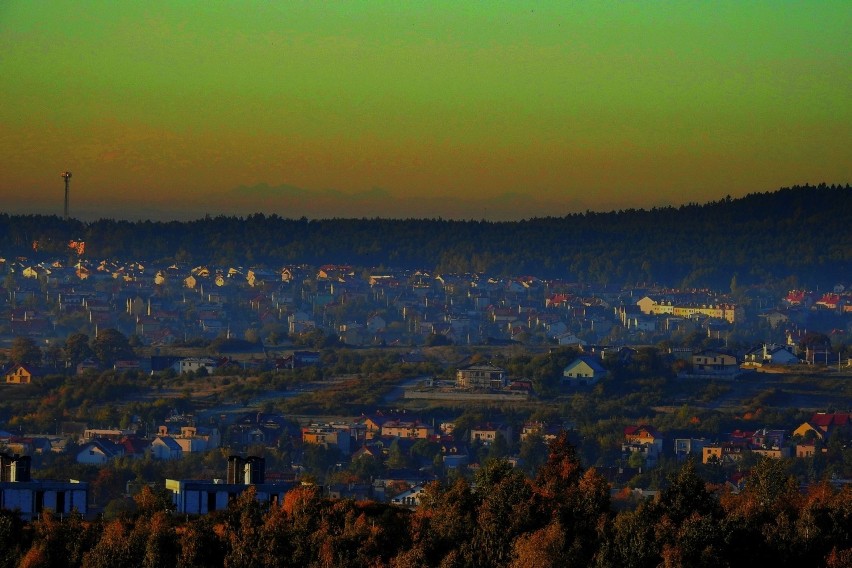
(590, 361)
(169, 442)
(107, 447)
(825, 419)
(637, 430)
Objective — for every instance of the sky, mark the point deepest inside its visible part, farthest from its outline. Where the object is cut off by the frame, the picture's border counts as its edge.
(461, 109)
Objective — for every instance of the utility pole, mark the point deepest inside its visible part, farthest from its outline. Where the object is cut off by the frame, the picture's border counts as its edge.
(67, 177)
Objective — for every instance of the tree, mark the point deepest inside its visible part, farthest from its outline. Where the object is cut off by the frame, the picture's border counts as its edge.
(149, 501)
(686, 494)
(110, 346)
(533, 452)
(11, 538)
(636, 460)
(365, 468)
(77, 348)
(244, 519)
(25, 351)
(437, 340)
(396, 459)
(507, 510)
(540, 549)
(499, 448)
(199, 546)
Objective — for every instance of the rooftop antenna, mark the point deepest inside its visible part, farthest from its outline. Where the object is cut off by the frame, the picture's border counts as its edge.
(67, 177)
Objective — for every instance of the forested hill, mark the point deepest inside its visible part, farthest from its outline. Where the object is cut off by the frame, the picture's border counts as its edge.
(800, 233)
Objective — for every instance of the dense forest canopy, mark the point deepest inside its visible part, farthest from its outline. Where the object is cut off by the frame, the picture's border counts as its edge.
(801, 234)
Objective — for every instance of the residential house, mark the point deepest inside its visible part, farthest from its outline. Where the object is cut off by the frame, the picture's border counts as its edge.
(766, 438)
(111, 434)
(775, 318)
(722, 453)
(568, 338)
(99, 451)
(370, 451)
(583, 371)
(823, 424)
(775, 453)
(481, 375)
(410, 498)
(715, 363)
(645, 440)
(165, 448)
(770, 353)
(193, 438)
(258, 428)
(799, 298)
(352, 334)
(407, 429)
(548, 432)
(639, 323)
(830, 301)
(21, 375)
(258, 277)
(808, 448)
(684, 447)
(193, 364)
(728, 312)
(328, 435)
(373, 425)
(487, 433)
(134, 447)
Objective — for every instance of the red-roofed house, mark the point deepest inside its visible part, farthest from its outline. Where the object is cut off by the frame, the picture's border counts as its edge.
(798, 298)
(823, 424)
(643, 434)
(645, 440)
(829, 301)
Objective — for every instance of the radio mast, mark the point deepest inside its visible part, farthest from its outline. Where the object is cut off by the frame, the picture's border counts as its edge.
(67, 177)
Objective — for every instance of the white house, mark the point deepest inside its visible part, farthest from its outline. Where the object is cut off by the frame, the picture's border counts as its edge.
(192, 364)
(165, 448)
(569, 339)
(410, 497)
(99, 452)
(583, 371)
(771, 354)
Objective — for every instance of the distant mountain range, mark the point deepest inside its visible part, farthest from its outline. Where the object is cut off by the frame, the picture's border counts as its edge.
(801, 234)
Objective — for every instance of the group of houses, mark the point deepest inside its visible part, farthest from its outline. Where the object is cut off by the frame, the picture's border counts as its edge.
(170, 442)
(804, 441)
(377, 437)
(163, 304)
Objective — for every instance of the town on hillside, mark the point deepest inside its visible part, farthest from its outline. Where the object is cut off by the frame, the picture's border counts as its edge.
(374, 383)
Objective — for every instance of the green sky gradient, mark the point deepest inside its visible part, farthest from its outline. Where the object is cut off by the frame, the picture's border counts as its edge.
(460, 109)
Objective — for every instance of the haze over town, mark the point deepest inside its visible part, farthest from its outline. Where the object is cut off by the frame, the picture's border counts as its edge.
(398, 110)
